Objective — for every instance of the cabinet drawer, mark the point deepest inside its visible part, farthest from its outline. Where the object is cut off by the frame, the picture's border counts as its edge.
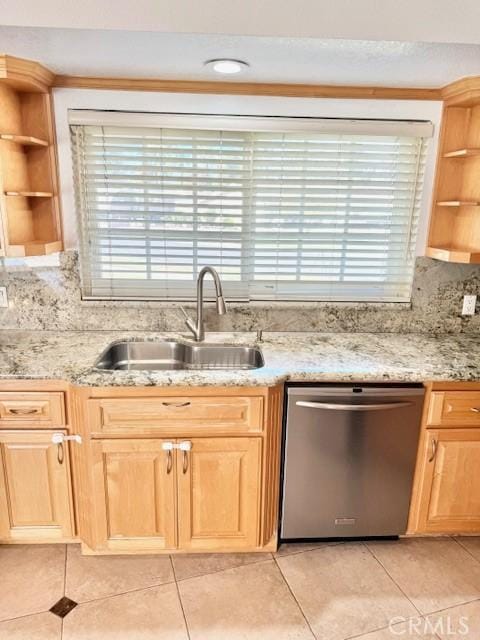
(19, 409)
(185, 415)
(454, 408)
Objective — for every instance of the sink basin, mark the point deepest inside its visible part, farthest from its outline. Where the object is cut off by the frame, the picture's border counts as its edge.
(170, 355)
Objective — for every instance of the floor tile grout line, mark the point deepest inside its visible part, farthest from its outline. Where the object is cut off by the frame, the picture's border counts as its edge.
(454, 606)
(457, 540)
(212, 573)
(359, 636)
(26, 615)
(124, 593)
(392, 579)
(64, 587)
(173, 567)
(314, 635)
(461, 604)
(423, 615)
(180, 598)
(321, 545)
(65, 571)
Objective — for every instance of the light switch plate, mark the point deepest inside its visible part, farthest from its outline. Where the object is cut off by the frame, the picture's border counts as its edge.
(3, 297)
(469, 304)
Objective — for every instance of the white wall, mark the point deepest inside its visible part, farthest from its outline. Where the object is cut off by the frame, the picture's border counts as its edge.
(65, 99)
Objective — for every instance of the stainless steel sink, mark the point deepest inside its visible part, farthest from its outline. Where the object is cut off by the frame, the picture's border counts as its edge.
(170, 355)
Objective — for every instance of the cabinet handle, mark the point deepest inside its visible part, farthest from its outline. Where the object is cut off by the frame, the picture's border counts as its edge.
(59, 438)
(168, 447)
(176, 404)
(23, 412)
(185, 447)
(475, 409)
(434, 450)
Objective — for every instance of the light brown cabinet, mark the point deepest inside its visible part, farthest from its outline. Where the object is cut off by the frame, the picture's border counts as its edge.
(158, 494)
(134, 494)
(446, 497)
(35, 488)
(178, 470)
(452, 488)
(171, 415)
(454, 409)
(31, 409)
(219, 482)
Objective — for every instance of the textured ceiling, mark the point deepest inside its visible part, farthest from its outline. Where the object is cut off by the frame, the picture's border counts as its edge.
(181, 56)
(402, 20)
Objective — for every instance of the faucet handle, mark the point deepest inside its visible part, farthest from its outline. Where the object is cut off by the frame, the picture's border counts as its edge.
(187, 317)
(190, 323)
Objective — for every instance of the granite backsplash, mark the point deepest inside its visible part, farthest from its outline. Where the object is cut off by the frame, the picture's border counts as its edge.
(48, 298)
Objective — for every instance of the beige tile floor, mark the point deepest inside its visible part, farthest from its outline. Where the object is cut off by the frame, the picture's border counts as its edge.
(419, 588)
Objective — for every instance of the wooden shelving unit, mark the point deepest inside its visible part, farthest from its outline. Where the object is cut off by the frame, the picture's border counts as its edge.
(29, 206)
(30, 194)
(27, 141)
(462, 153)
(458, 203)
(454, 234)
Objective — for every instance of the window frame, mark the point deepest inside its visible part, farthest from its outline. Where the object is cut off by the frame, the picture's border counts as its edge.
(186, 104)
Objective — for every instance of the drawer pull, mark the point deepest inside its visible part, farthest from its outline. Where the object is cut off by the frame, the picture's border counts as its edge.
(23, 412)
(176, 404)
(475, 409)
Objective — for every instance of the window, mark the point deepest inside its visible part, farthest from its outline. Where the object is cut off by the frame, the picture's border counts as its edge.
(283, 208)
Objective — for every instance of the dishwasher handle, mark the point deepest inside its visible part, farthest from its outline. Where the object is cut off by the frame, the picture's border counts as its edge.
(333, 406)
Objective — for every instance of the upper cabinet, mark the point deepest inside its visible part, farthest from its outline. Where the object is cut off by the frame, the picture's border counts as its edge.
(29, 207)
(455, 223)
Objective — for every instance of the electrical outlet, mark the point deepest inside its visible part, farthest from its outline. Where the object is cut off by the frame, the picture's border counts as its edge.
(469, 304)
(3, 297)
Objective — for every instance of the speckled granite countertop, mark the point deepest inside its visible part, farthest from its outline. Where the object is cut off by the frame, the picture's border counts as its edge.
(70, 356)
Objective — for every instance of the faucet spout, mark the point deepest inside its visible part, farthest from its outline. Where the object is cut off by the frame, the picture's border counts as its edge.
(221, 306)
(198, 328)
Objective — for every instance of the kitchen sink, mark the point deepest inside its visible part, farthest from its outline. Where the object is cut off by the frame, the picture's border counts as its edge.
(171, 355)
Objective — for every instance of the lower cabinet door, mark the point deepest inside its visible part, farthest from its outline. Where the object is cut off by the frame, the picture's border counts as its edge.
(219, 482)
(35, 488)
(450, 501)
(134, 493)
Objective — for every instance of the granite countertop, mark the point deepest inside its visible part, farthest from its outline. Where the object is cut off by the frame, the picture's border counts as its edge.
(336, 357)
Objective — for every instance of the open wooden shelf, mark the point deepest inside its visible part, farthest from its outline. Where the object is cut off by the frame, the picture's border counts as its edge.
(453, 254)
(454, 234)
(29, 207)
(34, 248)
(29, 194)
(26, 141)
(462, 153)
(458, 203)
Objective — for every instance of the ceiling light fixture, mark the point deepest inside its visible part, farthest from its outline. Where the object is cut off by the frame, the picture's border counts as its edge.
(227, 65)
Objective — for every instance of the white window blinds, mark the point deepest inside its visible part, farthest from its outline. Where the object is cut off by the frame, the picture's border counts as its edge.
(283, 209)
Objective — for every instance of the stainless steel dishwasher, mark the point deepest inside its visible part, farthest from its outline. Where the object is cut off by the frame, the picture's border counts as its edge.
(349, 459)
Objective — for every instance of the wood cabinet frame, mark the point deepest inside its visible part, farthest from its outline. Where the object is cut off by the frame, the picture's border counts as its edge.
(259, 442)
(52, 399)
(425, 517)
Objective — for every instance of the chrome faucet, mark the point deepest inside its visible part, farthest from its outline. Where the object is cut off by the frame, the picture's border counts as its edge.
(198, 329)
